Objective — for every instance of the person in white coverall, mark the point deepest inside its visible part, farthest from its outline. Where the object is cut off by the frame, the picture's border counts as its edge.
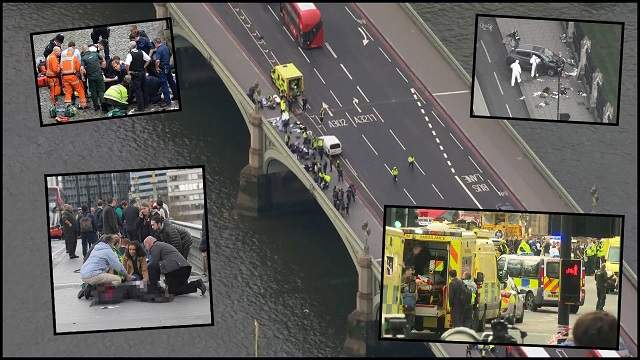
(534, 62)
(515, 72)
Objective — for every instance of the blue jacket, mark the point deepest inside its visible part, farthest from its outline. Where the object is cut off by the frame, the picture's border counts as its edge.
(144, 44)
(100, 260)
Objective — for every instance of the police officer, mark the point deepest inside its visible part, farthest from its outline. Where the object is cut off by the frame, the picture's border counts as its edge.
(601, 286)
(136, 62)
(409, 294)
(100, 35)
(591, 253)
(411, 160)
(394, 173)
(469, 309)
(163, 56)
(323, 110)
(600, 253)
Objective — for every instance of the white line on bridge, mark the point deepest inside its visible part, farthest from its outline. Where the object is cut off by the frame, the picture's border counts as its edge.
(350, 13)
(494, 188)
(345, 70)
(274, 56)
(453, 170)
(354, 125)
(433, 132)
(376, 111)
(449, 163)
(383, 53)
(314, 123)
(303, 54)
(434, 114)
(389, 170)
(451, 92)
(474, 163)
(334, 96)
(454, 139)
(418, 103)
(485, 51)
(436, 189)
(445, 156)
(406, 192)
(441, 148)
(438, 140)
(509, 111)
(430, 126)
(498, 81)
(349, 165)
(287, 31)
(248, 31)
(419, 168)
(422, 111)
(374, 150)
(365, 96)
(244, 16)
(274, 14)
(468, 192)
(331, 50)
(395, 137)
(413, 91)
(399, 72)
(317, 73)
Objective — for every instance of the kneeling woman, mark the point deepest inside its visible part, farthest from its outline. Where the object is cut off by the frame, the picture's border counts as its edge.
(101, 261)
(135, 262)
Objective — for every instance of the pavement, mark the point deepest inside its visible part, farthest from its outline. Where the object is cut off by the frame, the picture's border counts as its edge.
(546, 34)
(72, 315)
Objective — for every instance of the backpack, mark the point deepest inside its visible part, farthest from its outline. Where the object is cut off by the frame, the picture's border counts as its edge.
(116, 112)
(86, 224)
(99, 223)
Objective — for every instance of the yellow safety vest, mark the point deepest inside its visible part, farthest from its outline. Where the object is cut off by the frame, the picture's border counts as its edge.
(524, 247)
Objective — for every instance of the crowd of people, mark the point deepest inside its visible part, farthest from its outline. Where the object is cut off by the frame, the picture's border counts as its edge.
(123, 242)
(142, 76)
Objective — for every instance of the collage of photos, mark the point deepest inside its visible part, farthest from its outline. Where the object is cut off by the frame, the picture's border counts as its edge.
(548, 69)
(347, 174)
(105, 71)
(129, 250)
(470, 276)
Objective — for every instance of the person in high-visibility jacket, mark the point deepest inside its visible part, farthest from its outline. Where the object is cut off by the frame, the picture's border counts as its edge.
(591, 253)
(117, 95)
(411, 159)
(601, 254)
(283, 105)
(394, 173)
(53, 74)
(524, 248)
(70, 68)
(469, 309)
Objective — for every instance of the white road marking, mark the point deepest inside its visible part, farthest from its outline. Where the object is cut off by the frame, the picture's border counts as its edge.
(444, 154)
(430, 126)
(485, 51)
(376, 111)
(354, 18)
(349, 165)
(366, 32)
(383, 53)
(274, 14)
(433, 132)
(318, 120)
(509, 111)
(354, 124)
(406, 192)
(355, 103)
(365, 41)
(415, 97)
(454, 139)
(324, 105)
(413, 91)
(374, 150)
(438, 140)
(441, 148)
(418, 103)
(453, 170)
(405, 79)
(449, 163)
(498, 81)
(434, 114)
(274, 56)
(451, 92)
(252, 38)
(419, 168)
(334, 96)
(345, 70)
(422, 111)
(474, 163)
(303, 54)
(468, 192)
(494, 188)
(389, 170)
(394, 135)
(331, 50)
(287, 31)
(317, 73)
(436, 189)
(365, 96)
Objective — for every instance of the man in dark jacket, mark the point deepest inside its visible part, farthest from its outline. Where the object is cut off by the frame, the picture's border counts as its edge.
(109, 220)
(69, 231)
(98, 214)
(601, 286)
(151, 89)
(88, 228)
(204, 245)
(457, 299)
(166, 232)
(165, 259)
(101, 35)
(56, 41)
(143, 224)
(131, 216)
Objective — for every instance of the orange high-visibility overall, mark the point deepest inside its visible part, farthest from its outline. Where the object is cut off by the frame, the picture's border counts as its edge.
(53, 73)
(70, 67)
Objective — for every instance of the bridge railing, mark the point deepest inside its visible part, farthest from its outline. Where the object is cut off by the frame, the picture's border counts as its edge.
(195, 256)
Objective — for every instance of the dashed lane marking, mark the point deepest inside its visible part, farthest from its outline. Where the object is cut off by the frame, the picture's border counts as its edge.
(468, 192)
(321, 79)
(454, 139)
(474, 163)
(498, 81)
(485, 51)
(401, 74)
(406, 192)
(440, 121)
(376, 111)
(331, 50)
(395, 137)
(436, 189)
(303, 54)
(345, 70)
(365, 96)
(374, 150)
(334, 96)
(383, 53)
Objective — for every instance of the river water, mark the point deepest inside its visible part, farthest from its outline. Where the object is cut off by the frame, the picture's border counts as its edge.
(291, 273)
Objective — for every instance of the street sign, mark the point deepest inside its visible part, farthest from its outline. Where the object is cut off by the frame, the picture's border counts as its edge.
(570, 281)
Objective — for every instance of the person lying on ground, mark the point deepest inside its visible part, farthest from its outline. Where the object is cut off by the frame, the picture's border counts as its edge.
(102, 261)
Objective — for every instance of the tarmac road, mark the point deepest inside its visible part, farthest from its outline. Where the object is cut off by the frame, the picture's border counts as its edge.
(373, 109)
(493, 75)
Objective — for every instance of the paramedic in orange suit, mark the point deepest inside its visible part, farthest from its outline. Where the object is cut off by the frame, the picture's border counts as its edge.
(70, 67)
(53, 74)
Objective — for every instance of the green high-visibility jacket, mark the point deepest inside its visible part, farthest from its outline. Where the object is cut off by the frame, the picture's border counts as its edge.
(524, 247)
(117, 93)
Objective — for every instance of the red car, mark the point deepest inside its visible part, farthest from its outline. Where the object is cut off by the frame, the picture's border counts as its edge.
(55, 232)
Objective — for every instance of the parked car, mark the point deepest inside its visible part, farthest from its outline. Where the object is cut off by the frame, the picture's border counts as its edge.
(55, 232)
(549, 64)
(512, 300)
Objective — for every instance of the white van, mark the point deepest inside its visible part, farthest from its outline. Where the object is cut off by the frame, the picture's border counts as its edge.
(331, 145)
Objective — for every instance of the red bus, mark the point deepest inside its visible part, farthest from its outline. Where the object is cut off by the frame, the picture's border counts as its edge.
(304, 22)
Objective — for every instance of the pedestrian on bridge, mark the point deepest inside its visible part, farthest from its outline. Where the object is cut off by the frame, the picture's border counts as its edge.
(394, 173)
(340, 175)
(515, 72)
(304, 103)
(601, 286)
(411, 160)
(323, 111)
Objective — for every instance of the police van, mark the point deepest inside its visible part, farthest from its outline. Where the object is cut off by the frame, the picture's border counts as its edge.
(538, 277)
(441, 248)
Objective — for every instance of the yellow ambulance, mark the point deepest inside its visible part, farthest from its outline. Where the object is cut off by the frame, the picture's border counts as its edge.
(432, 251)
(612, 261)
(288, 80)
